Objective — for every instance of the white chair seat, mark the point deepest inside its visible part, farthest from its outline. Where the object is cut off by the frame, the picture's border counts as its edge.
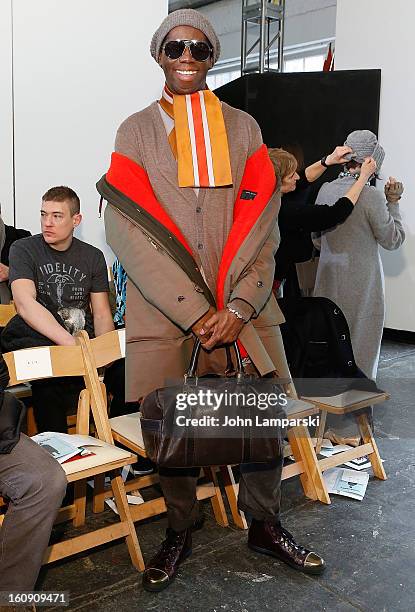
(128, 426)
(299, 407)
(103, 454)
(348, 398)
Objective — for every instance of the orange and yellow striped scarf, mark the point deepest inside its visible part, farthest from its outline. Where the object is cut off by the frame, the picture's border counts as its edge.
(198, 139)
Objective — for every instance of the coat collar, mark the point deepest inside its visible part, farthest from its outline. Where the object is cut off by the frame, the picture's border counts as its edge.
(250, 208)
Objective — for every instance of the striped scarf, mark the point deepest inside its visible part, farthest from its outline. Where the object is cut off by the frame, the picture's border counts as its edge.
(198, 139)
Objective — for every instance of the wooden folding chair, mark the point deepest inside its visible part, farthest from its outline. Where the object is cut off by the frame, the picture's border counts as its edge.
(353, 401)
(47, 362)
(300, 447)
(126, 431)
(319, 311)
(7, 312)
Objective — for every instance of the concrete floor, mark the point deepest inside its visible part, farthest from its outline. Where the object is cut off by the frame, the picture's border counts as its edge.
(369, 546)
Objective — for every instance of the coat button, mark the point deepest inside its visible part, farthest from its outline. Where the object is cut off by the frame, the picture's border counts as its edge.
(350, 363)
(181, 298)
(343, 337)
(198, 209)
(198, 289)
(260, 284)
(336, 311)
(200, 246)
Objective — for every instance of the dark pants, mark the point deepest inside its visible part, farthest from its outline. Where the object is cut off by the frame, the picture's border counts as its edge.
(35, 484)
(53, 399)
(114, 381)
(259, 492)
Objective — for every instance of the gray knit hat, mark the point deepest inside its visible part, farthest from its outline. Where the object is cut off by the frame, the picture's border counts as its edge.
(185, 17)
(365, 144)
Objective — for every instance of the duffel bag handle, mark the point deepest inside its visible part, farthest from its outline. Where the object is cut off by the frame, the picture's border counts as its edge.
(195, 357)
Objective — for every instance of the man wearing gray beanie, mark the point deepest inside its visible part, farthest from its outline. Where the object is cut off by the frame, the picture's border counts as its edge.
(191, 215)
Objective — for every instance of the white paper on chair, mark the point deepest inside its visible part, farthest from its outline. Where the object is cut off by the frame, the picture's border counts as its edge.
(121, 339)
(79, 440)
(348, 483)
(59, 448)
(33, 363)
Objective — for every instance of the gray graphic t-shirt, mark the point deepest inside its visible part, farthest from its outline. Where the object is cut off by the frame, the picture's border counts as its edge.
(64, 280)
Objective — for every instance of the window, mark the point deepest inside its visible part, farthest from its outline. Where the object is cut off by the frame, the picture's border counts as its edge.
(308, 63)
(221, 78)
(311, 63)
(304, 57)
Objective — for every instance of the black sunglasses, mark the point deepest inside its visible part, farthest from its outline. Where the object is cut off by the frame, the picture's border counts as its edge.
(200, 51)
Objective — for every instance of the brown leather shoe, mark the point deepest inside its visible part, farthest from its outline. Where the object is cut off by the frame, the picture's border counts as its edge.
(163, 568)
(272, 539)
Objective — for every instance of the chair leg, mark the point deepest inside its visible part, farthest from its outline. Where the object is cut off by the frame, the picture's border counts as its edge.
(131, 539)
(80, 503)
(217, 500)
(320, 430)
(367, 436)
(231, 490)
(32, 429)
(312, 478)
(98, 499)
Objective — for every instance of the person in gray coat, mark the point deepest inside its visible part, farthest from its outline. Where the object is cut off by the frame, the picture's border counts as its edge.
(350, 270)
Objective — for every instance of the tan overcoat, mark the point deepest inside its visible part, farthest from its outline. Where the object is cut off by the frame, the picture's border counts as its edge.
(162, 301)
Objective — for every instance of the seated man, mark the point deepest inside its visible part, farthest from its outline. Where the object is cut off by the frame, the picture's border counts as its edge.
(59, 286)
(34, 485)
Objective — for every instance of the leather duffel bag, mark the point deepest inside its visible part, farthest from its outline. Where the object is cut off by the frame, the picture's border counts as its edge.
(214, 420)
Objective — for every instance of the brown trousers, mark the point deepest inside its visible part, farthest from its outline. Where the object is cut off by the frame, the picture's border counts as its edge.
(259, 492)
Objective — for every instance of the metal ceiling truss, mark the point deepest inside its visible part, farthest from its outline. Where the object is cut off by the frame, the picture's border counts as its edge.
(267, 18)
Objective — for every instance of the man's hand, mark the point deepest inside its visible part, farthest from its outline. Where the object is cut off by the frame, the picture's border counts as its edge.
(200, 323)
(393, 190)
(68, 341)
(222, 328)
(36, 315)
(340, 155)
(4, 272)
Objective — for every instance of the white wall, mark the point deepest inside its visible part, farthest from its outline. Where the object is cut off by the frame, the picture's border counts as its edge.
(6, 112)
(380, 34)
(80, 68)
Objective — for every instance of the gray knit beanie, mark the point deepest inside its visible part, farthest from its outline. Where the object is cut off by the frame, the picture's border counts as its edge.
(365, 144)
(185, 17)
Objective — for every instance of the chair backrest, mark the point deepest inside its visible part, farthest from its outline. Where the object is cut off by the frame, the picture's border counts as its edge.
(108, 348)
(59, 361)
(7, 312)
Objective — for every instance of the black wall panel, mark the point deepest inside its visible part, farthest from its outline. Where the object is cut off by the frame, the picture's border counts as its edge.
(314, 109)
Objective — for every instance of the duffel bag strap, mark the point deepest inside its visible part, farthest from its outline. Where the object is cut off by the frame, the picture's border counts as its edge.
(191, 372)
